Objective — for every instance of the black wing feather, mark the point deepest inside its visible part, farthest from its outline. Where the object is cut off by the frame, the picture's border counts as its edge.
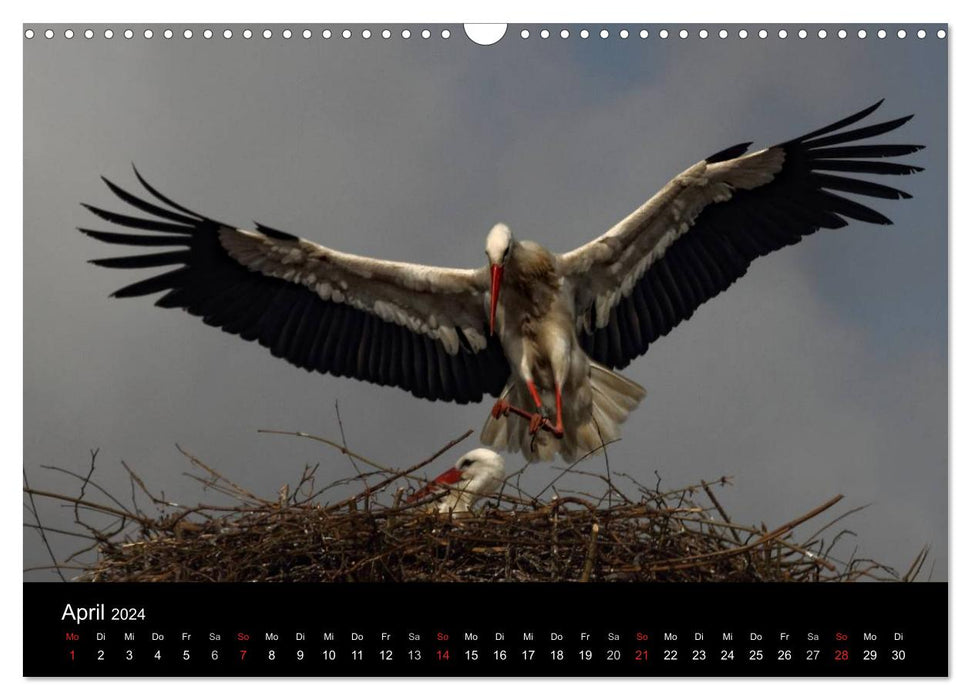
(290, 320)
(727, 236)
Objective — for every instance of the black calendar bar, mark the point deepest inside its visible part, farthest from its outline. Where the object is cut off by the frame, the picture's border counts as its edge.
(631, 630)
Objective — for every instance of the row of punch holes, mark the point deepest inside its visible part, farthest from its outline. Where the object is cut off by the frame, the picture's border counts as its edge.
(30, 33)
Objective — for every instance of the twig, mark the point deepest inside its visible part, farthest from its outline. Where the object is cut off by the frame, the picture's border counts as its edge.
(591, 553)
(40, 528)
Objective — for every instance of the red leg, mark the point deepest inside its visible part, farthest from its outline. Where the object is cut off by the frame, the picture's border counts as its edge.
(558, 430)
(535, 393)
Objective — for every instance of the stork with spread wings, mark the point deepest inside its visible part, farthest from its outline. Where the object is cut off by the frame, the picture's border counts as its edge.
(543, 332)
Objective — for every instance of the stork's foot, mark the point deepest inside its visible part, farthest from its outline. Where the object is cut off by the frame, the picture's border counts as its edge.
(500, 409)
(539, 422)
(536, 422)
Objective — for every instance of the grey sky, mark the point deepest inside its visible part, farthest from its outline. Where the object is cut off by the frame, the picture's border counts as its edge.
(823, 371)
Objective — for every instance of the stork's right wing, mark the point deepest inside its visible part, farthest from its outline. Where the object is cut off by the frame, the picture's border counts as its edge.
(417, 327)
(699, 234)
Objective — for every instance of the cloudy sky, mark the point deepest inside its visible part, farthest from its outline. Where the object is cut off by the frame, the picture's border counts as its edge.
(823, 371)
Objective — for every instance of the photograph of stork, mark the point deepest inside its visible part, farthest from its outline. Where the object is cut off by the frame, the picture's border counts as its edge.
(640, 261)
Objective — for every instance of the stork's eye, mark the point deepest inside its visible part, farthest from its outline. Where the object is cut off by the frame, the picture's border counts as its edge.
(464, 463)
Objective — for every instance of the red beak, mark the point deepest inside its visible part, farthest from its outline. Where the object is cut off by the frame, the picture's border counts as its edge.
(494, 296)
(449, 477)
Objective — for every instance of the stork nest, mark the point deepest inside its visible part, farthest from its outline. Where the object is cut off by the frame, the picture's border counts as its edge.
(646, 534)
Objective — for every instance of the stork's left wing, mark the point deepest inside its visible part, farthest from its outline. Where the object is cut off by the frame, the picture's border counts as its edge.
(696, 236)
(417, 327)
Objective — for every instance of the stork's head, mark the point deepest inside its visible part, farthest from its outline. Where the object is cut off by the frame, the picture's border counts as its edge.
(481, 463)
(476, 474)
(499, 243)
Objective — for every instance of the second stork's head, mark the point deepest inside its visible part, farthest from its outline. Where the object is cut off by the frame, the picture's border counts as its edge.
(499, 243)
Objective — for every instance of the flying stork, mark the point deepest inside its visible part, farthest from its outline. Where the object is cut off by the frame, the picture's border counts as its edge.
(540, 331)
(475, 475)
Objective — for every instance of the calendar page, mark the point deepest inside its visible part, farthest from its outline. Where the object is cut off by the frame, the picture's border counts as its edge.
(485, 350)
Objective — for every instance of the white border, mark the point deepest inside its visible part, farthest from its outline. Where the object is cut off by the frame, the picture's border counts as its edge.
(930, 11)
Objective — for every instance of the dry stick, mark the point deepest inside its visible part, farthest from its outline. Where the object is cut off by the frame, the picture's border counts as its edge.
(141, 484)
(147, 522)
(567, 470)
(721, 511)
(340, 426)
(836, 520)
(918, 563)
(91, 482)
(396, 475)
(687, 562)
(40, 527)
(591, 553)
(46, 528)
(219, 477)
(336, 445)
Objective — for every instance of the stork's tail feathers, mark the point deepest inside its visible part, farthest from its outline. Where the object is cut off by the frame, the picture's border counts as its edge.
(613, 398)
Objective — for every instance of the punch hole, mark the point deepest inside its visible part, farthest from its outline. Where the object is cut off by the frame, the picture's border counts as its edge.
(703, 34)
(565, 34)
(29, 34)
(861, 33)
(921, 34)
(446, 34)
(88, 34)
(68, 33)
(167, 34)
(346, 33)
(326, 34)
(109, 33)
(803, 33)
(584, 34)
(663, 33)
(187, 34)
(247, 33)
(486, 34)
(941, 34)
(723, 34)
(624, 33)
(841, 33)
(49, 34)
(604, 33)
(763, 34)
(129, 34)
(545, 34)
(405, 33)
(524, 34)
(783, 33)
(821, 33)
(425, 34)
(287, 34)
(228, 34)
(366, 34)
(902, 34)
(882, 34)
(742, 34)
(683, 34)
(267, 33)
(643, 34)
(386, 34)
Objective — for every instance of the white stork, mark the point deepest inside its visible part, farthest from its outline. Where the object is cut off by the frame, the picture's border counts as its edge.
(564, 321)
(475, 475)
